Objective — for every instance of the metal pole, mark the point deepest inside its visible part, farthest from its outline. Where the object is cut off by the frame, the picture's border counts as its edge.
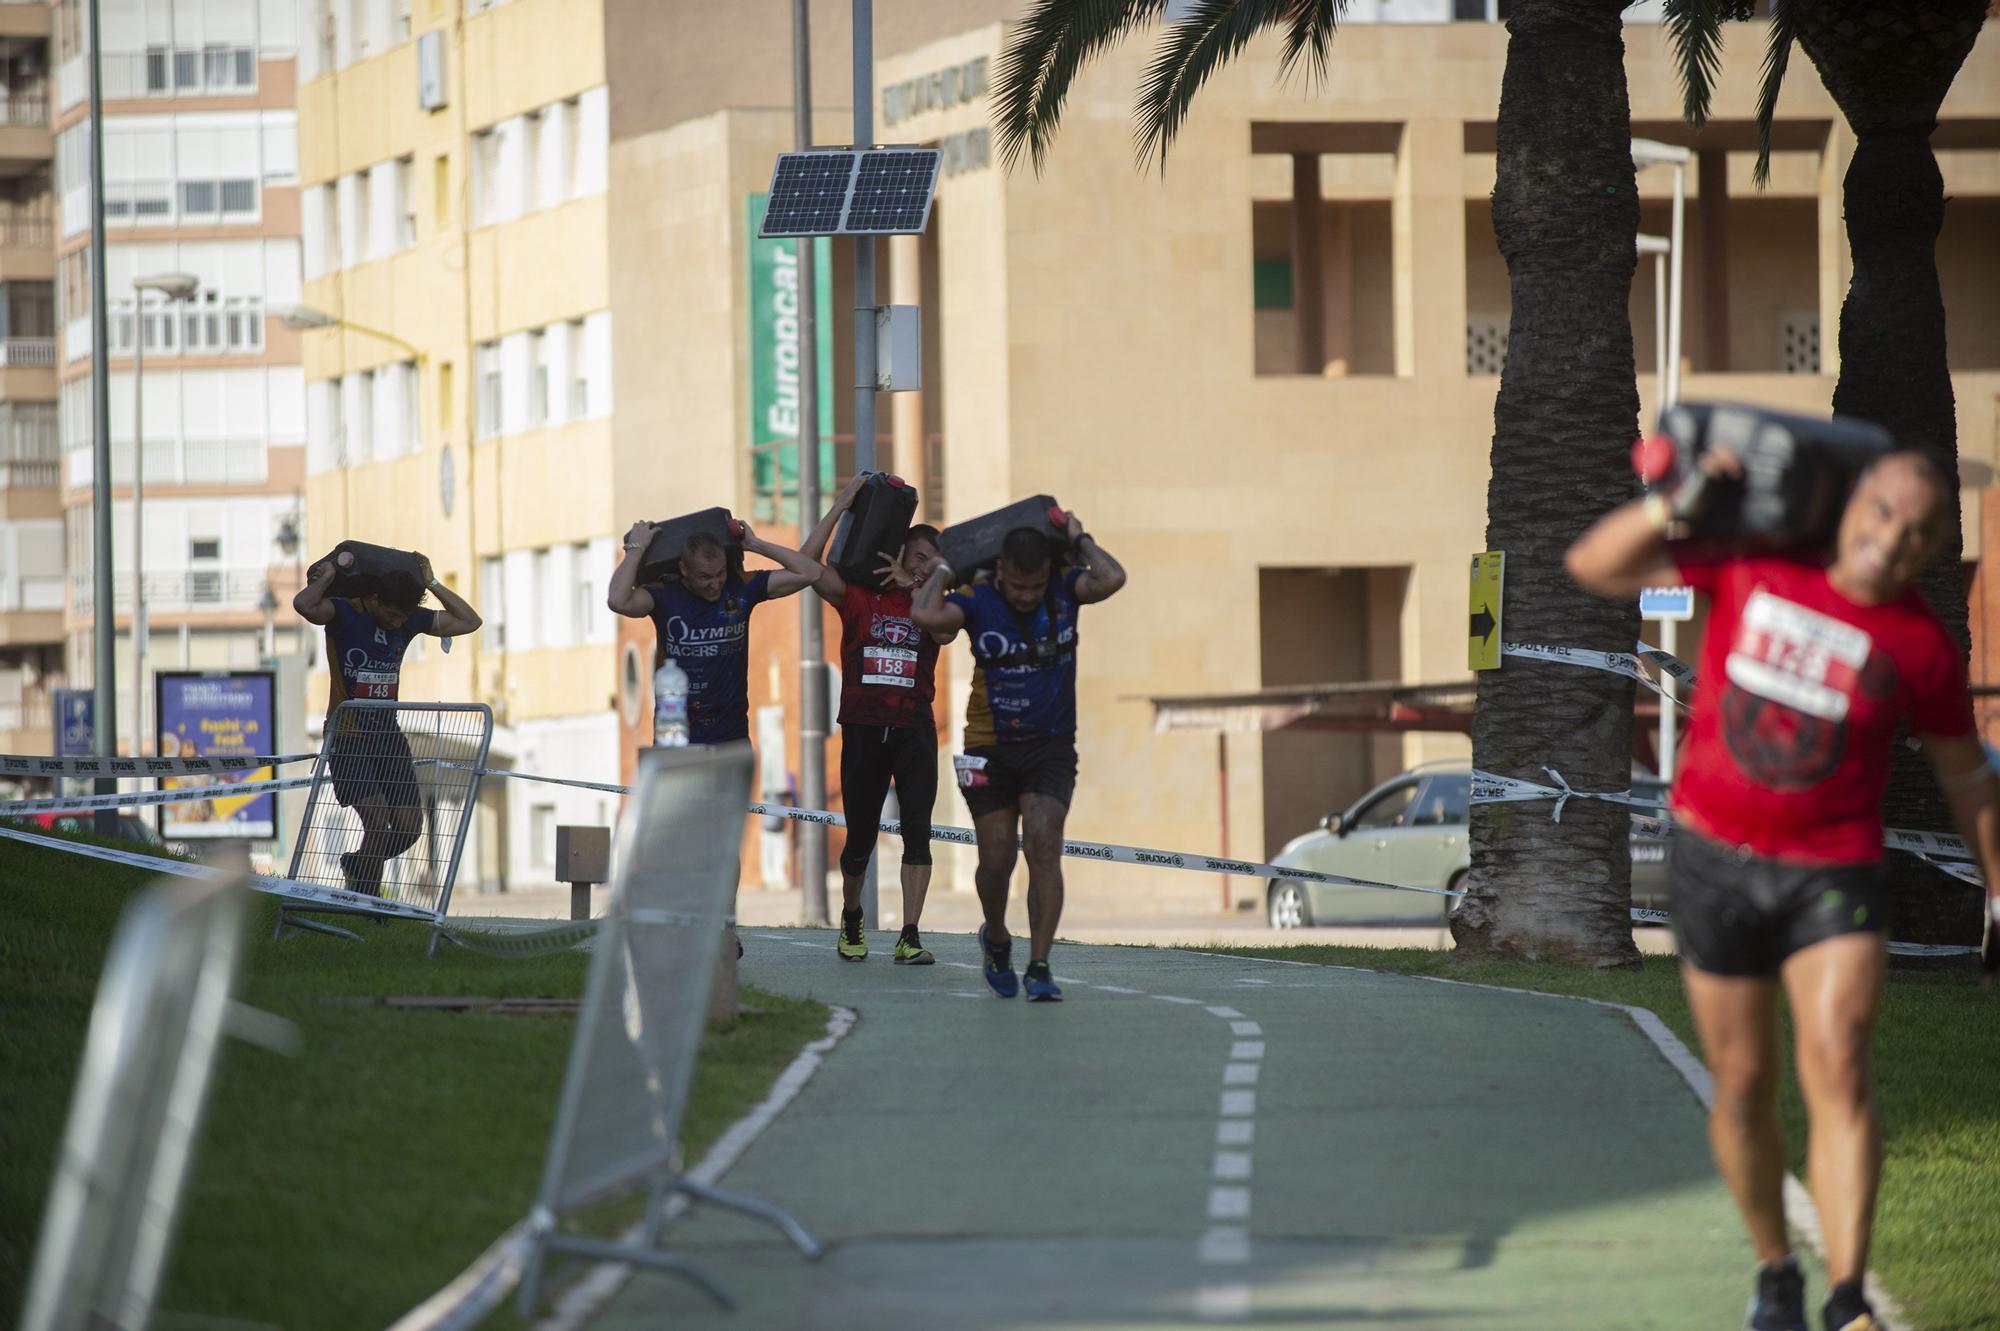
(1669, 714)
(812, 650)
(138, 520)
(864, 313)
(103, 619)
(1672, 391)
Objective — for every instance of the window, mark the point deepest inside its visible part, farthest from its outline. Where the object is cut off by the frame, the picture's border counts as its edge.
(1387, 809)
(447, 398)
(367, 244)
(486, 371)
(542, 835)
(402, 28)
(548, 599)
(538, 378)
(584, 596)
(441, 188)
(572, 124)
(239, 196)
(201, 318)
(532, 126)
(406, 200)
(578, 390)
(485, 175)
(205, 548)
(1443, 803)
(412, 422)
(243, 322)
(198, 198)
(493, 604)
(361, 415)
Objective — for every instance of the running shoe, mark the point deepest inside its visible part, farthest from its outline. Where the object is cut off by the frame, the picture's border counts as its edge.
(1847, 1310)
(998, 964)
(1780, 1303)
(910, 949)
(853, 945)
(1041, 984)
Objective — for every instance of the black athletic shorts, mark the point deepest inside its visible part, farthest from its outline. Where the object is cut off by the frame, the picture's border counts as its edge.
(373, 765)
(870, 757)
(995, 776)
(1736, 913)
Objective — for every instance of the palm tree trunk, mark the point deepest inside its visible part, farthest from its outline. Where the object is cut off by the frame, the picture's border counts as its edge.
(1888, 64)
(1566, 213)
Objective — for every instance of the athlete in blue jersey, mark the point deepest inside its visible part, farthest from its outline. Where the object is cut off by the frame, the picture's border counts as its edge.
(1018, 771)
(369, 758)
(702, 619)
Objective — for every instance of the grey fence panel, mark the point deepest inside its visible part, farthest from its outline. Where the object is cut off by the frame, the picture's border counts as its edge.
(394, 794)
(645, 1007)
(136, 1112)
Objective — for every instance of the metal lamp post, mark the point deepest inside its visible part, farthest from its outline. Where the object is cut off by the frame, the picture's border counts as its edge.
(176, 287)
(307, 318)
(1667, 354)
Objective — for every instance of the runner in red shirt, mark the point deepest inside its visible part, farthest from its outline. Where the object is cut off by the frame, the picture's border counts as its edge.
(888, 674)
(1808, 669)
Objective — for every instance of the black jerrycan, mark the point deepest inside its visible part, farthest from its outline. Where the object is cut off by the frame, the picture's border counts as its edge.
(873, 528)
(670, 538)
(359, 567)
(1797, 470)
(971, 546)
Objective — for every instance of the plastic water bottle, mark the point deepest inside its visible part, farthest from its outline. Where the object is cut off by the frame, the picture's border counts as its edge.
(670, 706)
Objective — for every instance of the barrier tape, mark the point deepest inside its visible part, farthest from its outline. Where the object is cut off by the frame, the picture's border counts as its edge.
(281, 887)
(964, 836)
(145, 769)
(1617, 663)
(137, 798)
(1667, 663)
(1488, 788)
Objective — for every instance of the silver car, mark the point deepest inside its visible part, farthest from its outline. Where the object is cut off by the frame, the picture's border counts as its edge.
(1411, 831)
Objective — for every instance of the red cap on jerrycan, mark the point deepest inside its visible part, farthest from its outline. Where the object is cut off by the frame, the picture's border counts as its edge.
(1653, 457)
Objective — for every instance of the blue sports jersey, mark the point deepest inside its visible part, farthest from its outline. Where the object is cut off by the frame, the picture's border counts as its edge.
(1024, 665)
(711, 641)
(365, 660)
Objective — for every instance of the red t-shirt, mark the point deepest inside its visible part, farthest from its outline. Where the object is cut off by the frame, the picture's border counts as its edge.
(888, 665)
(1801, 694)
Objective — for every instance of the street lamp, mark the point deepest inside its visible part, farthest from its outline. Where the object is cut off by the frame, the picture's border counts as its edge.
(176, 287)
(307, 318)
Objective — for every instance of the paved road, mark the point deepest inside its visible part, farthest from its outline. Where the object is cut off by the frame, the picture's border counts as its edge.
(1194, 1140)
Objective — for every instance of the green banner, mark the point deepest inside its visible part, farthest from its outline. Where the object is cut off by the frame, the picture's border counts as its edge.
(774, 368)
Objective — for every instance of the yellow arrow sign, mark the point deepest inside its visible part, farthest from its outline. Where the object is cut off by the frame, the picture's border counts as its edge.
(1482, 637)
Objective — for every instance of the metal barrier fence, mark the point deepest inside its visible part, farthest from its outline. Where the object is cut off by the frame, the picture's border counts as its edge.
(162, 1004)
(390, 806)
(644, 1010)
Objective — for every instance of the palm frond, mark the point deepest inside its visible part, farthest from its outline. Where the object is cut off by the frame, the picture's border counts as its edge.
(1206, 40)
(1694, 27)
(1041, 60)
(1777, 56)
(1310, 37)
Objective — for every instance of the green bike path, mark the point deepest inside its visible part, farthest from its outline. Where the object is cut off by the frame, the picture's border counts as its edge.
(1197, 1140)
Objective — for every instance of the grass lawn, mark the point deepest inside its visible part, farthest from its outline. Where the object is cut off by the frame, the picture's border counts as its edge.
(339, 1188)
(1937, 1239)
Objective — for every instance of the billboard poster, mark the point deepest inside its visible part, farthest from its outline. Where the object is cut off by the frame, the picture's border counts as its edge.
(774, 367)
(219, 713)
(76, 728)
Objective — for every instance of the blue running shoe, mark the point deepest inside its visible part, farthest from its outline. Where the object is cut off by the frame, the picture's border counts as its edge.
(1041, 984)
(999, 966)
(1780, 1304)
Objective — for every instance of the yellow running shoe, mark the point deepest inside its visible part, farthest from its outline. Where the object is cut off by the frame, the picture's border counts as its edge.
(910, 949)
(853, 945)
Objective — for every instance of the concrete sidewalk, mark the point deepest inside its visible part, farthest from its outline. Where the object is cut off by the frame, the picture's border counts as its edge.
(1192, 1139)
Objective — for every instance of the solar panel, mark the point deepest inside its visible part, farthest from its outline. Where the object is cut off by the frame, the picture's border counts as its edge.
(808, 194)
(892, 192)
(827, 193)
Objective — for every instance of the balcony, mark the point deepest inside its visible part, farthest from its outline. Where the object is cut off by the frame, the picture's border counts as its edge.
(25, 142)
(27, 247)
(25, 18)
(27, 352)
(181, 591)
(27, 720)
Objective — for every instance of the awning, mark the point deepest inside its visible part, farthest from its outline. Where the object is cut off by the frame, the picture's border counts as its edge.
(1354, 708)
(1341, 708)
